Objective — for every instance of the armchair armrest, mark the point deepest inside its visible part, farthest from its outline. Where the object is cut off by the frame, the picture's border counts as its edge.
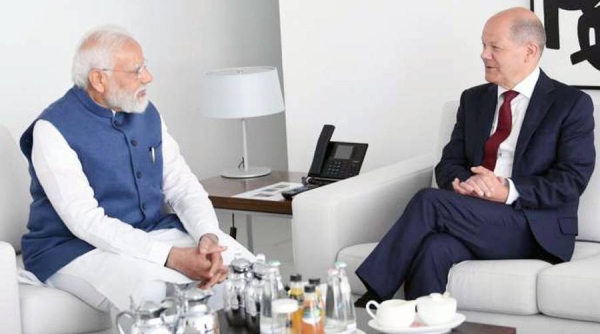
(360, 209)
(10, 307)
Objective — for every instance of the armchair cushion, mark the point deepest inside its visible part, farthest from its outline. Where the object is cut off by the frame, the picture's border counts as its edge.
(572, 289)
(56, 311)
(47, 310)
(521, 287)
(504, 286)
(475, 284)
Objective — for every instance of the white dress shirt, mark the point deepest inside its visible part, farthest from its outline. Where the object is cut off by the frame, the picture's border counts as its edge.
(506, 150)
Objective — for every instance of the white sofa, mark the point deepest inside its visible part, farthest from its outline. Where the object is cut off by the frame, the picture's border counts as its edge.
(29, 308)
(343, 221)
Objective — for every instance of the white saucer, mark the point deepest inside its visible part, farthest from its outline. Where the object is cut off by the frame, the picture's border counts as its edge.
(438, 329)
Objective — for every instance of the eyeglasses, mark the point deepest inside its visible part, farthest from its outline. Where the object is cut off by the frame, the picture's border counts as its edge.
(138, 71)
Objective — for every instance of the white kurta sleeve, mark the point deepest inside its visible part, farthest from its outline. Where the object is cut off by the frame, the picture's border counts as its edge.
(61, 175)
(184, 193)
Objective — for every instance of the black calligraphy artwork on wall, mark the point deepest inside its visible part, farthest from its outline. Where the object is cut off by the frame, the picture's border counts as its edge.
(572, 52)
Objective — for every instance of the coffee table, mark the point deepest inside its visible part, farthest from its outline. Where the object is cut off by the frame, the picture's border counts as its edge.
(464, 328)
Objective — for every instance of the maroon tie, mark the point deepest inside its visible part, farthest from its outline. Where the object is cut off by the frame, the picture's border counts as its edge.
(502, 131)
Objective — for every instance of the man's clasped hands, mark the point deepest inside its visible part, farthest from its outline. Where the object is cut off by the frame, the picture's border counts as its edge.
(483, 184)
(203, 263)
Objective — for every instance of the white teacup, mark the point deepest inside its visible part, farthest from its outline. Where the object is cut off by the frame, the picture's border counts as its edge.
(393, 313)
(436, 309)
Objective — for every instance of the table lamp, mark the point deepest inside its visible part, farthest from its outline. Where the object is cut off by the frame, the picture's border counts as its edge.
(242, 93)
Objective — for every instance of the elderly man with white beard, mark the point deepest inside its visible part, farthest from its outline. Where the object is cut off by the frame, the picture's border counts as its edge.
(103, 166)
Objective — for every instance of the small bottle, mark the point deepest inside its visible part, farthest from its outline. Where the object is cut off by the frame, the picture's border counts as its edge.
(319, 288)
(235, 291)
(317, 283)
(297, 293)
(311, 314)
(320, 291)
(254, 296)
(346, 297)
(335, 321)
(261, 258)
(272, 290)
(284, 321)
(314, 281)
(280, 288)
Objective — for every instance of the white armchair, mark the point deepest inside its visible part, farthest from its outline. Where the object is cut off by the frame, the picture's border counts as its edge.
(352, 212)
(29, 308)
(355, 213)
(344, 221)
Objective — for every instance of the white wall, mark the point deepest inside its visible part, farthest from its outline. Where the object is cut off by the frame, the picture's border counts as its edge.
(181, 38)
(379, 70)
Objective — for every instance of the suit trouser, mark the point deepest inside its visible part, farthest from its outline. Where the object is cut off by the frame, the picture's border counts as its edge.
(438, 229)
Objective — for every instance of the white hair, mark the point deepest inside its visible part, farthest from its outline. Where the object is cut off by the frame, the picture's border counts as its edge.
(96, 50)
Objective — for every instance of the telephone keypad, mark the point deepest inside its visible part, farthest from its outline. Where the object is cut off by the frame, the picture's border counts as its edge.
(341, 168)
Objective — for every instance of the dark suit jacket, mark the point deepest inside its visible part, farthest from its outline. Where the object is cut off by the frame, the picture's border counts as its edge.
(553, 162)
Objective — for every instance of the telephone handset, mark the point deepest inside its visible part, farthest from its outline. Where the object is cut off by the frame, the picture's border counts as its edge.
(319, 157)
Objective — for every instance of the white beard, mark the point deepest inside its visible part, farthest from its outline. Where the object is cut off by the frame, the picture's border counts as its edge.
(129, 103)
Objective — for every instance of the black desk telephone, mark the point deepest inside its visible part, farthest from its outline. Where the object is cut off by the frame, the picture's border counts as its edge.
(333, 161)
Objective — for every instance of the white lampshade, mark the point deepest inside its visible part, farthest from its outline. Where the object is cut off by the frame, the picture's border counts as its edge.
(241, 93)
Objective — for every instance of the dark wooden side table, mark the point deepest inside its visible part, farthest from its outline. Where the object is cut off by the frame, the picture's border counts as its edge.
(221, 191)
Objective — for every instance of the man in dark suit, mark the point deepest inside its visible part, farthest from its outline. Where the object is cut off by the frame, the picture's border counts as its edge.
(520, 156)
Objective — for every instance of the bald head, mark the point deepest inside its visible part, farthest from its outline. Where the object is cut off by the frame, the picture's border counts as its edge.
(524, 26)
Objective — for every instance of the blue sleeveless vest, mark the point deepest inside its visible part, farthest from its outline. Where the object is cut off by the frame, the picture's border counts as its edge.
(121, 155)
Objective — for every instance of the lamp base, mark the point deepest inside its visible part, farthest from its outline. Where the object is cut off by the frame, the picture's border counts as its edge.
(239, 173)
